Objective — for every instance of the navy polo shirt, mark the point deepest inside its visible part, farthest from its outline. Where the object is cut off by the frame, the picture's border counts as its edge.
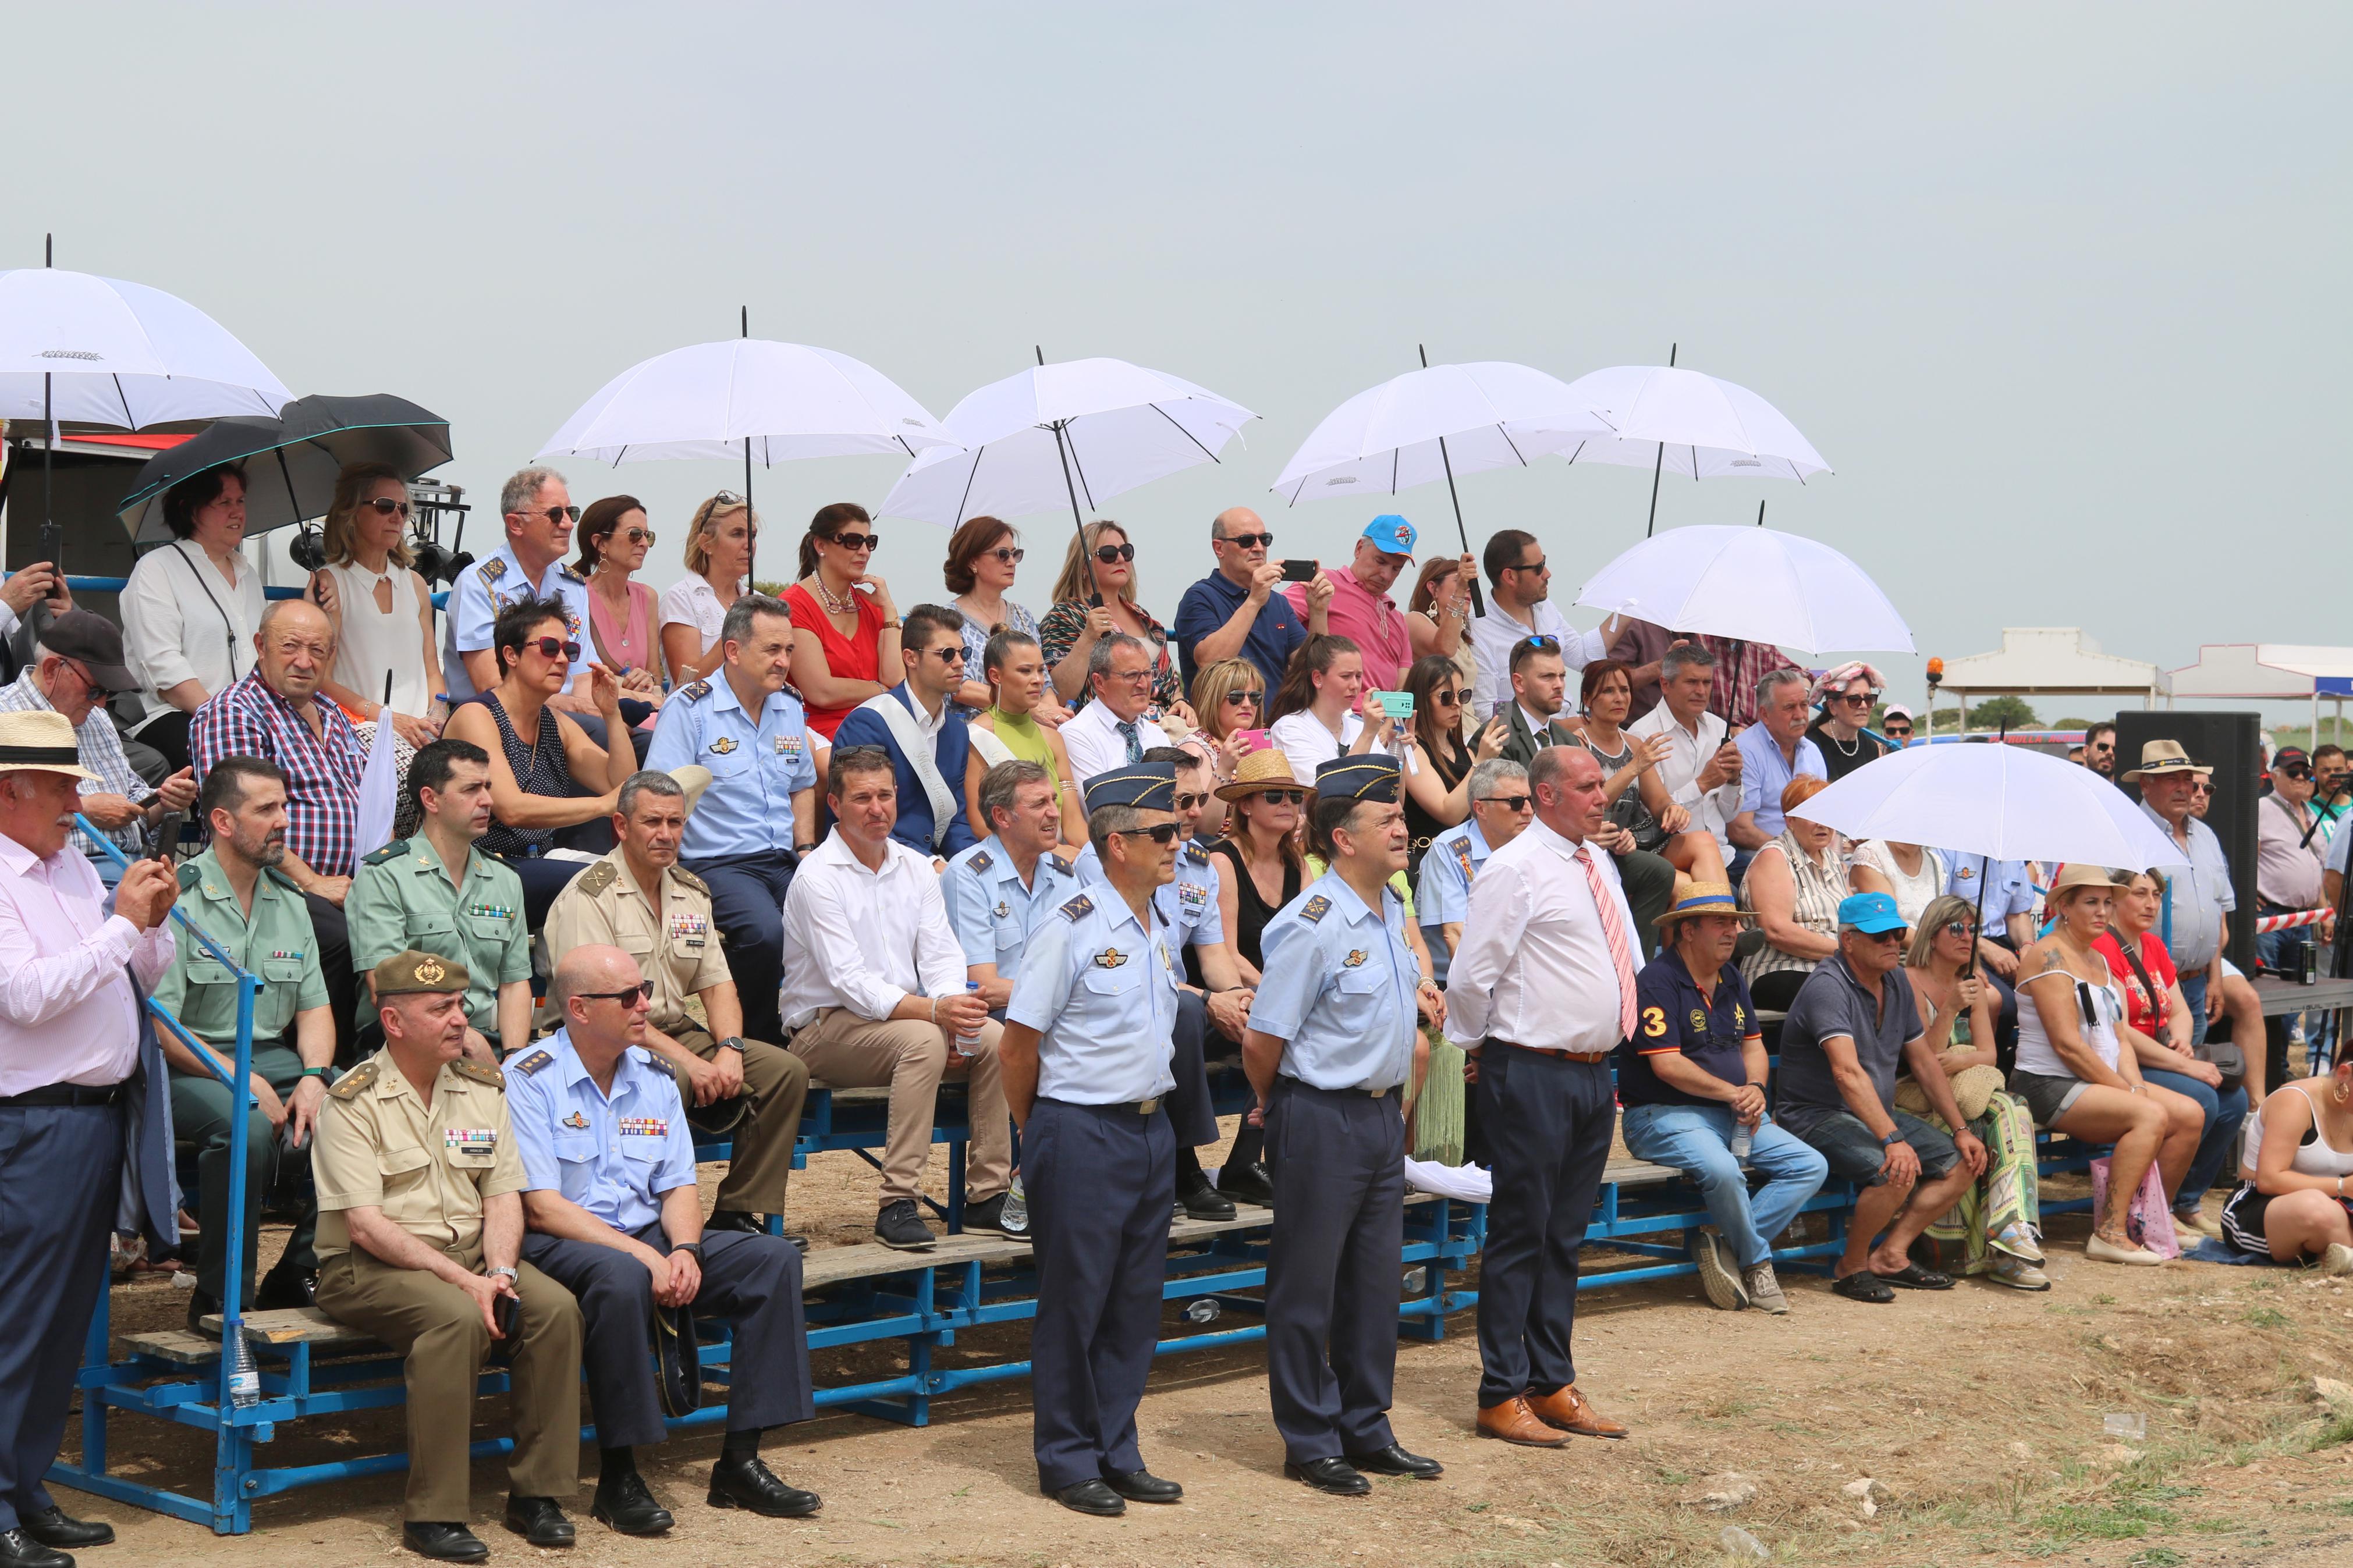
(1211, 603)
(1670, 1015)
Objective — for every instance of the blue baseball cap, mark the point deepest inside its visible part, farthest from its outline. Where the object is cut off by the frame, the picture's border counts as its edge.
(1391, 534)
(1869, 913)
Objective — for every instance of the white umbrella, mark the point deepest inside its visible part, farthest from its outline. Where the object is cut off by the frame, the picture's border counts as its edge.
(1755, 583)
(2004, 802)
(1079, 430)
(1664, 418)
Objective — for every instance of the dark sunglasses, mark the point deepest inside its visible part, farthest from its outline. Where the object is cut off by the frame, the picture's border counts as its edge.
(1447, 699)
(556, 514)
(643, 991)
(855, 541)
(1862, 697)
(949, 655)
(1283, 796)
(1107, 553)
(1248, 541)
(635, 535)
(385, 506)
(1528, 566)
(1897, 732)
(2295, 773)
(1011, 554)
(1544, 642)
(549, 647)
(1236, 699)
(1510, 802)
(1163, 834)
(1965, 930)
(1185, 803)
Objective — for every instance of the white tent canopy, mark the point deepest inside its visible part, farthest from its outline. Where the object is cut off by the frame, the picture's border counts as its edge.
(2269, 672)
(2035, 661)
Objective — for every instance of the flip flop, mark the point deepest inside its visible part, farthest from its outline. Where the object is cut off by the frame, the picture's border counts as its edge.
(1911, 1277)
(1863, 1285)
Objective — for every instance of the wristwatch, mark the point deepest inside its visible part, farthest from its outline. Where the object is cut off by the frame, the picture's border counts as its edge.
(694, 1246)
(1895, 1137)
(732, 1043)
(512, 1277)
(312, 1072)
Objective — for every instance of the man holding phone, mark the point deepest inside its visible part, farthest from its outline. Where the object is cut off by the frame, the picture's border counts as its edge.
(1358, 603)
(1235, 612)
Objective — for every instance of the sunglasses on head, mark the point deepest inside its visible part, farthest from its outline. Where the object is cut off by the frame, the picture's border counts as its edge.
(385, 506)
(643, 991)
(1107, 553)
(1236, 699)
(1011, 554)
(1165, 833)
(556, 514)
(1248, 541)
(726, 498)
(855, 541)
(551, 648)
(1544, 642)
(1509, 801)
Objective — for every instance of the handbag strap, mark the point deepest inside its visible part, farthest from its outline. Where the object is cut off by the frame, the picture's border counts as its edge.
(2158, 1003)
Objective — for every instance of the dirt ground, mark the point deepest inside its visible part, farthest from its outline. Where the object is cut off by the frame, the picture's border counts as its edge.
(1974, 1416)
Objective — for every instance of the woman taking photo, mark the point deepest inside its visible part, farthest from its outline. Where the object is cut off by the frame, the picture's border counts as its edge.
(1093, 598)
(1437, 764)
(718, 541)
(1314, 716)
(1435, 618)
(622, 615)
(2292, 1191)
(850, 625)
(983, 556)
(1629, 769)
(539, 786)
(1996, 1222)
(2075, 1075)
(1262, 872)
(1794, 885)
(379, 611)
(191, 607)
(1229, 699)
(1016, 668)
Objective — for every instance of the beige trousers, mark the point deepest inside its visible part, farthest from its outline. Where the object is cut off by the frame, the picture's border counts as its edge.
(910, 1055)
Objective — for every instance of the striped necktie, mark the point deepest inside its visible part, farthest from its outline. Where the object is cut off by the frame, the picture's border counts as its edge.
(1134, 746)
(1613, 930)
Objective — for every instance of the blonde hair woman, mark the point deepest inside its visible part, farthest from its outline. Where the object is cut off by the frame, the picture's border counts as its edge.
(1093, 598)
(1228, 697)
(719, 544)
(379, 611)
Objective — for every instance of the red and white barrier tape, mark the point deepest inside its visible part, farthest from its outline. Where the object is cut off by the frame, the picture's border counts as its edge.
(2300, 918)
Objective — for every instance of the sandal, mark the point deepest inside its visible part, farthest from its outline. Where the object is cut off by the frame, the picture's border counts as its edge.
(1863, 1285)
(1911, 1277)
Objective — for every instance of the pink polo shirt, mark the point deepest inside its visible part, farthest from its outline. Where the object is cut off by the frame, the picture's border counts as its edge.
(1372, 621)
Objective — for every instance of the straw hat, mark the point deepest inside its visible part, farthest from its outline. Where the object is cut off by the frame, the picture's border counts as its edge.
(1708, 899)
(2078, 874)
(41, 741)
(2164, 757)
(1261, 772)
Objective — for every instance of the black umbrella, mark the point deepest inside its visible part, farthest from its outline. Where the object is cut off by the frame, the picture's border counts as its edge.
(291, 462)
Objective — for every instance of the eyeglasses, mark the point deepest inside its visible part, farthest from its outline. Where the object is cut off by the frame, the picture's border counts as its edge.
(949, 655)
(385, 506)
(1011, 554)
(549, 647)
(556, 514)
(1236, 699)
(1965, 930)
(1185, 803)
(1282, 796)
(1163, 834)
(1132, 677)
(1447, 699)
(1108, 554)
(1248, 541)
(643, 991)
(855, 541)
(1510, 802)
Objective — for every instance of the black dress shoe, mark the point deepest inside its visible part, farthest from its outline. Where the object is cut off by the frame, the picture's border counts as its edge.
(1247, 1185)
(749, 1483)
(989, 1216)
(1335, 1476)
(50, 1527)
(284, 1287)
(899, 1228)
(443, 1543)
(201, 1305)
(538, 1521)
(623, 1502)
(1201, 1201)
(1094, 1497)
(734, 1219)
(1395, 1461)
(1143, 1486)
(18, 1549)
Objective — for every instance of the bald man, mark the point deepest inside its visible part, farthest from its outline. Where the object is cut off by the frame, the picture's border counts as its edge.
(276, 713)
(1235, 612)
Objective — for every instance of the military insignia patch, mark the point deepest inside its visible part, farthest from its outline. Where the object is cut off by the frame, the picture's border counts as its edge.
(1077, 909)
(492, 570)
(578, 1121)
(1195, 853)
(1002, 909)
(695, 690)
(1315, 909)
(1060, 865)
(645, 1126)
(1462, 858)
(1110, 958)
(389, 852)
(722, 746)
(349, 1086)
(981, 861)
(532, 1063)
(430, 970)
(1355, 959)
(599, 877)
(788, 745)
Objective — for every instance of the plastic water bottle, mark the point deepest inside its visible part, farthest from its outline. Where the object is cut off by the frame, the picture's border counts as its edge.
(1203, 1310)
(244, 1377)
(968, 1040)
(1017, 1206)
(1416, 1280)
(1744, 1137)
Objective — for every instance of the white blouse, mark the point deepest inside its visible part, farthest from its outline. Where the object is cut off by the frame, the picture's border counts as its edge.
(372, 641)
(691, 601)
(1304, 741)
(182, 620)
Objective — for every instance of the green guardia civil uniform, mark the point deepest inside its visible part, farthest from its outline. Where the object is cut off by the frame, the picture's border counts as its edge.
(403, 899)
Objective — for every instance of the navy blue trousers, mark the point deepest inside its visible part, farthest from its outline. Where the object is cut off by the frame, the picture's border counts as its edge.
(1190, 1112)
(753, 1280)
(1100, 1181)
(1548, 1123)
(747, 902)
(60, 1171)
(1338, 1160)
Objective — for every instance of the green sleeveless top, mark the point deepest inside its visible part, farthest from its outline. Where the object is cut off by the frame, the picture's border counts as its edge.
(1027, 742)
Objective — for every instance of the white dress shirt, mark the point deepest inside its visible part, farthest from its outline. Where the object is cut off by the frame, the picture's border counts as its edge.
(1091, 739)
(182, 621)
(1535, 965)
(866, 940)
(1495, 634)
(1711, 809)
(67, 1011)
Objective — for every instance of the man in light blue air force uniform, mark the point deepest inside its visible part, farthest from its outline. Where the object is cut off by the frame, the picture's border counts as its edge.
(1332, 1051)
(1085, 1060)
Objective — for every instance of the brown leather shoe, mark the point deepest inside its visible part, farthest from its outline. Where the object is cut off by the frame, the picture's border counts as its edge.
(1572, 1412)
(1514, 1422)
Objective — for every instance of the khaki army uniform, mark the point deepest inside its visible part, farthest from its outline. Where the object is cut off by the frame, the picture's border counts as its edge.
(678, 948)
(431, 1169)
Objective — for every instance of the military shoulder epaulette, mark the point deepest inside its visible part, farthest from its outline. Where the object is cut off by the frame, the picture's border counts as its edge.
(1195, 853)
(981, 861)
(532, 1063)
(655, 1064)
(348, 1087)
(189, 874)
(1060, 866)
(569, 569)
(691, 880)
(1077, 909)
(493, 1077)
(283, 880)
(1315, 909)
(695, 690)
(599, 878)
(392, 851)
(492, 570)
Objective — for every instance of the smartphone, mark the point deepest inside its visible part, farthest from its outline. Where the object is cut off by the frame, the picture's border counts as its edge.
(147, 802)
(1299, 571)
(166, 841)
(1397, 704)
(1254, 739)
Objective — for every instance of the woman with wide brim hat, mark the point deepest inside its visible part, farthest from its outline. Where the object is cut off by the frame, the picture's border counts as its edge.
(1262, 871)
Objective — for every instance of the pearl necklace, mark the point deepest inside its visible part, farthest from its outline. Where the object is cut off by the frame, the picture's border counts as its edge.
(844, 606)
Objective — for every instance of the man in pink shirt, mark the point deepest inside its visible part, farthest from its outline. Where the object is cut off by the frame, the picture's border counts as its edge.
(70, 1070)
(1362, 610)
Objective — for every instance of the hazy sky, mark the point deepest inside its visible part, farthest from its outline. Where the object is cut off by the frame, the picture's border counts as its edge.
(2059, 291)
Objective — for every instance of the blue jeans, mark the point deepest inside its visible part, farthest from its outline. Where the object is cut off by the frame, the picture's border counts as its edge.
(2194, 992)
(2224, 1112)
(1697, 1140)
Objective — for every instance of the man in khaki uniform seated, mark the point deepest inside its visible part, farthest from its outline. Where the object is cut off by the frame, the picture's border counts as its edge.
(641, 900)
(420, 1235)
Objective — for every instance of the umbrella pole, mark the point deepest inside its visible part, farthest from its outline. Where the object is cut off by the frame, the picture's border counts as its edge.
(1659, 465)
(1078, 519)
(1478, 601)
(751, 532)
